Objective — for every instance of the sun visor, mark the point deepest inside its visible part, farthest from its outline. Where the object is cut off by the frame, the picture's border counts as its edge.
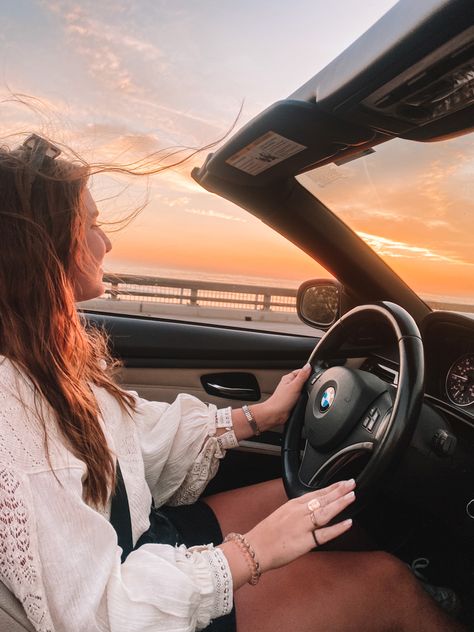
(286, 138)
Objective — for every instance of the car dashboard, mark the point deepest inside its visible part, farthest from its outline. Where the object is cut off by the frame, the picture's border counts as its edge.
(438, 470)
(429, 496)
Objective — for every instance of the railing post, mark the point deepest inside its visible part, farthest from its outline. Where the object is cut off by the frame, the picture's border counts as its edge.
(194, 296)
(114, 292)
(267, 302)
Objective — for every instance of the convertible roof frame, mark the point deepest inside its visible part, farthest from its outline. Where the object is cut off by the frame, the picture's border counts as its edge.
(389, 83)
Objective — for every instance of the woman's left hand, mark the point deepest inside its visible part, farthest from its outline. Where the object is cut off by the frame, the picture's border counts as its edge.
(277, 408)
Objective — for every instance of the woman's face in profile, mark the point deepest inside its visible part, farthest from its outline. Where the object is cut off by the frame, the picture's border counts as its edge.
(87, 281)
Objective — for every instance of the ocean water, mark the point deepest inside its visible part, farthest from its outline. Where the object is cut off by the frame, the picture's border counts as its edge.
(212, 277)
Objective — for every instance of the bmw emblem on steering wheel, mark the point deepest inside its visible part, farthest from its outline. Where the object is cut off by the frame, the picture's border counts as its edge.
(327, 398)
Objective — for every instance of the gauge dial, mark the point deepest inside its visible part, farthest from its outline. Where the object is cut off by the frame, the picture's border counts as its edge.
(460, 381)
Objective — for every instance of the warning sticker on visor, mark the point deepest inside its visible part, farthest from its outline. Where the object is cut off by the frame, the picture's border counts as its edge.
(264, 153)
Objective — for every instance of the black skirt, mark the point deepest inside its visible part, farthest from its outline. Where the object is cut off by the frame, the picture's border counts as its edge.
(191, 525)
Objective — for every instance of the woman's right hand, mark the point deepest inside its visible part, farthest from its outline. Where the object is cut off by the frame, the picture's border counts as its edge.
(286, 534)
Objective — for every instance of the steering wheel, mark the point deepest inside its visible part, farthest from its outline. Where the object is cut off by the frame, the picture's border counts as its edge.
(346, 417)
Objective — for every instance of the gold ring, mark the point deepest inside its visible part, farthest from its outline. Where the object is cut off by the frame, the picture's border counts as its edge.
(313, 520)
(315, 538)
(313, 505)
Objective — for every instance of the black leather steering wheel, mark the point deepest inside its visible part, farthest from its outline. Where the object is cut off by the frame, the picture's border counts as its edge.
(349, 417)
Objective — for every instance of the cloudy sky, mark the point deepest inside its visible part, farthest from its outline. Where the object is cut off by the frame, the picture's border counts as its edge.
(117, 80)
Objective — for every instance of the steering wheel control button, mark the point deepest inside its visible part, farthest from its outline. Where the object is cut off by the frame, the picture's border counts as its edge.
(371, 419)
(470, 509)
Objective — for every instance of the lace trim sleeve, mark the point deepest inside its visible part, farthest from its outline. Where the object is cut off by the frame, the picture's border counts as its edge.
(202, 470)
(222, 582)
(221, 600)
(206, 464)
(19, 567)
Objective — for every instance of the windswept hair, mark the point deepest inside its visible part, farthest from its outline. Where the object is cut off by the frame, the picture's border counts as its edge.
(42, 224)
(42, 227)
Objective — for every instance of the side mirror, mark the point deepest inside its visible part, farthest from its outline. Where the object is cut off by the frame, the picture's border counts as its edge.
(318, 302)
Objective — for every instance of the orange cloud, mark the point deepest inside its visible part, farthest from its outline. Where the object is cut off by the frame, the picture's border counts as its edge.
(390, 248)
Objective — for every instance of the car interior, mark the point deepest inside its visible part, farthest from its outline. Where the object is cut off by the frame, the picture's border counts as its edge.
(408, 434)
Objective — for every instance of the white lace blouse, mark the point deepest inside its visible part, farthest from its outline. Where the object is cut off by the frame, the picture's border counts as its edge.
(60, 557)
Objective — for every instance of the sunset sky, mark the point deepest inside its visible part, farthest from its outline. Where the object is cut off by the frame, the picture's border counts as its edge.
(117, 80)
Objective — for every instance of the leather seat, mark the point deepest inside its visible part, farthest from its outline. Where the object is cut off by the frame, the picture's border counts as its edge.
(12, 615)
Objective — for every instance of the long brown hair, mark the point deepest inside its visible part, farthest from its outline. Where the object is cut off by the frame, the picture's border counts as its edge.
(42, 223)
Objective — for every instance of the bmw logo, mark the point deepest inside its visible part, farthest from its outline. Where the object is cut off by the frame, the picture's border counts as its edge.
(327, 398)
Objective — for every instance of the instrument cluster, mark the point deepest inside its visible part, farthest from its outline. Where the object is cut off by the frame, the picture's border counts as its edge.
(460, 381)
(449, 358)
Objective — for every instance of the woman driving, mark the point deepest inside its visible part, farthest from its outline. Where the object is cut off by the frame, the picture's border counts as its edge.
(101, 526)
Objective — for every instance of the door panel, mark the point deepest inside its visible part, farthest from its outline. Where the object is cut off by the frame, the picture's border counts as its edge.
(164, 358)
(165, 384)
(148, 342)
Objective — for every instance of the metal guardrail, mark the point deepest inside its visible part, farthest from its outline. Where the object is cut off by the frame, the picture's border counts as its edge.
(194, 293)
(199, 293)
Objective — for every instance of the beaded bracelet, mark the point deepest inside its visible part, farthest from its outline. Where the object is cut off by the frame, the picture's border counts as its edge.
(249, 554)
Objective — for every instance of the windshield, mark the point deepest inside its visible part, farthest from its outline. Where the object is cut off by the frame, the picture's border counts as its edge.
(413, 204)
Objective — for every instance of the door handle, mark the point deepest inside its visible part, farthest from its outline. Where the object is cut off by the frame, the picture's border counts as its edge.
(232, 385)
(229, 391)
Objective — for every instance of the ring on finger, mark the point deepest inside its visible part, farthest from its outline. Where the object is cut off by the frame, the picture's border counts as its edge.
(313, 505)
(314, 521)
(315, 538)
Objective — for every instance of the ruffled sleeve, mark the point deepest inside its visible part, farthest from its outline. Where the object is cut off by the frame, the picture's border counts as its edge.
(180, 449)
(71, 577)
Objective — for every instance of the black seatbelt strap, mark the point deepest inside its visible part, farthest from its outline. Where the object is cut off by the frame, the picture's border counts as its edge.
(120, 515)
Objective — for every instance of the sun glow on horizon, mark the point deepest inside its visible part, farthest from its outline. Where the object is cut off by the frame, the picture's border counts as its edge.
(124, 82)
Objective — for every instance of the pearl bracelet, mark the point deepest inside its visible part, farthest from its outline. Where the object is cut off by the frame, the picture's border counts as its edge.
(249, 554)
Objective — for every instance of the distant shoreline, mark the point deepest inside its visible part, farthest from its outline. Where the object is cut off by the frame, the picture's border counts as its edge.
(451, 307)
